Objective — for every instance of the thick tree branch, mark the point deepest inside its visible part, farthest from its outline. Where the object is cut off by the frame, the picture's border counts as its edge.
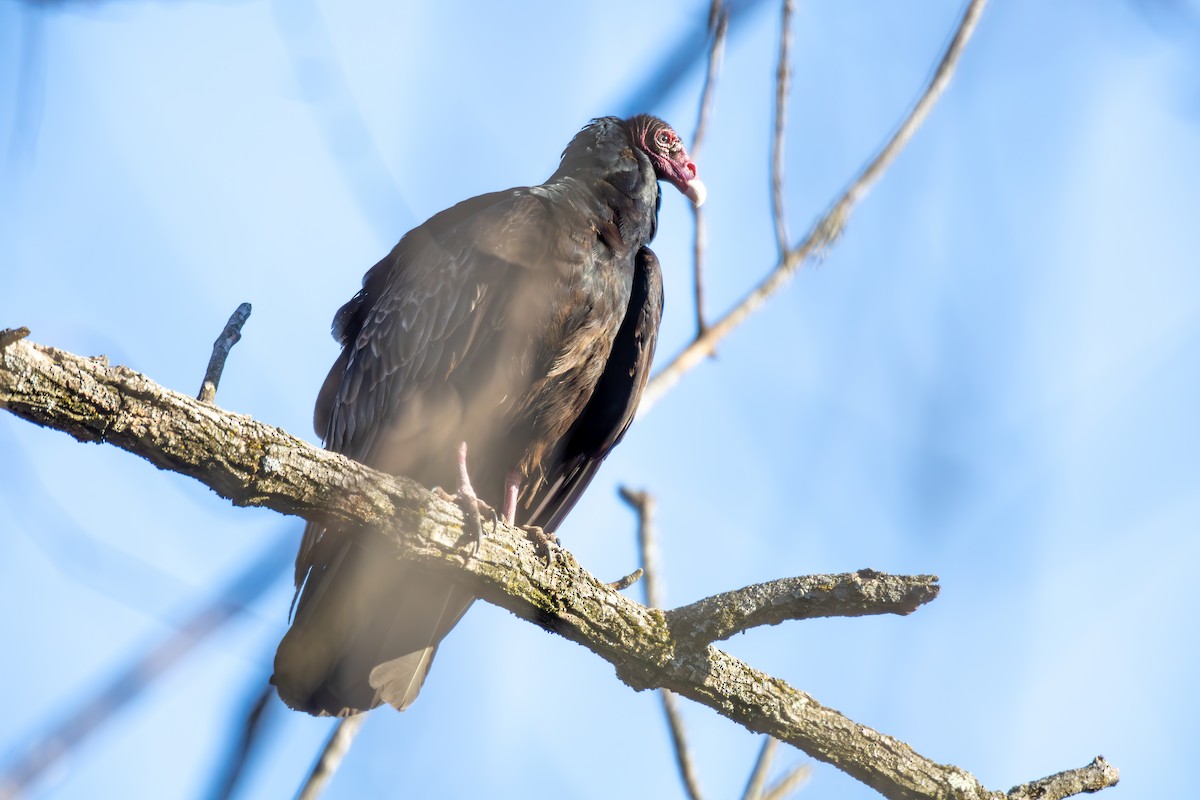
(252, 463)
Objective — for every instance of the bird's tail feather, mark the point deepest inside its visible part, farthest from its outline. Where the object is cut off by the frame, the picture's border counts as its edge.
(365, 631)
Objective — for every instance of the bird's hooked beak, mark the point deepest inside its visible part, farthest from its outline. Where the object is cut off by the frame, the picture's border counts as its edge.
(687, 178)
(681, 172)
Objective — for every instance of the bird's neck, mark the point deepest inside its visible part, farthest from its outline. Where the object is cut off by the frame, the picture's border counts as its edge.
(615, 198)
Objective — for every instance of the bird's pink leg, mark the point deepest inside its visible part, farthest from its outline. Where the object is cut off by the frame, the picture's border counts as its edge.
(540, 539)
(512, 488)
(464, 476)
(468, 501)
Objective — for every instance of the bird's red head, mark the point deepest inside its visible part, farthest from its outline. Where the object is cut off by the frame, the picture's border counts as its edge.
(668, 155)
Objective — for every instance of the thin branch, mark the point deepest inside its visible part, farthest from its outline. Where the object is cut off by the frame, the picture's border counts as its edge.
(675, 62)
(249, 732)
(762, 766)
(1095, 776)
(792, 780)
(331, 756)
(256, 464)
(718, 24)
(31, 79)
(621, 584)
(937, 85)
(856, 594)
(826, 228)
(338, 118)
(718, 21)
(683, 754)
(145, 669)
(231, 334)
(10, 335)
(782, 81)
(44, 750)
(643, 503)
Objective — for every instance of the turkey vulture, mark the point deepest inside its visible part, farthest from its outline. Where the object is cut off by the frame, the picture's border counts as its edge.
(507, 338)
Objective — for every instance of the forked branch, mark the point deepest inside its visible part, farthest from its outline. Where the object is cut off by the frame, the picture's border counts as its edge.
(255, 464)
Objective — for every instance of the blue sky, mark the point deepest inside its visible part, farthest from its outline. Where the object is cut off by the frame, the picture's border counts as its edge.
(991, 377)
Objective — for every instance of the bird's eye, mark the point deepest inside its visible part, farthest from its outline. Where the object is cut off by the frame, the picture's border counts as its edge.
(664, 139)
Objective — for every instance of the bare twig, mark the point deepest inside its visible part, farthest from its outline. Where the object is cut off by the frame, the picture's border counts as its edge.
(231, 334)
(782, 82)
(718, 21)
(855, 594)
(46, 749)
(718, 25)
(826, 228)
(338, 118)
(662, 79)
(643, 503)
(622, 584)
(10, 335)
(249, 733)
(683, 757)
(331, 757)
(1095, 776)
(31, 79)
(937, 84)
(762, 766)
(792, 780)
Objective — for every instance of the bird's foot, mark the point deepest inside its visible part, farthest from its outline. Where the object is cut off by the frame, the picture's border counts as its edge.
(473, 510)
(542, 540)
(470, 503)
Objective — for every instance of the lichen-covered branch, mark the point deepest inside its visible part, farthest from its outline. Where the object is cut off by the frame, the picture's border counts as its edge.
(252, 463)
(853, 595)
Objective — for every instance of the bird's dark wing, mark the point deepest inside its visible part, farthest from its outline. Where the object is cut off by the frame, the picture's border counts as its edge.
(613, 404)
(425, 330)
(434, 343)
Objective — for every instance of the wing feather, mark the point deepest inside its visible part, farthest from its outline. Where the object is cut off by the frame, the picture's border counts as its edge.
(429, 311)
(612, 405)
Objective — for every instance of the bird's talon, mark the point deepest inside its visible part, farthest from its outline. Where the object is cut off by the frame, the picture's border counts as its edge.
(472, 509)
(542, 541)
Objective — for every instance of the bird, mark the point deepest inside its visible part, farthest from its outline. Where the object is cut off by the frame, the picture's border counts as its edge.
(500, 348)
